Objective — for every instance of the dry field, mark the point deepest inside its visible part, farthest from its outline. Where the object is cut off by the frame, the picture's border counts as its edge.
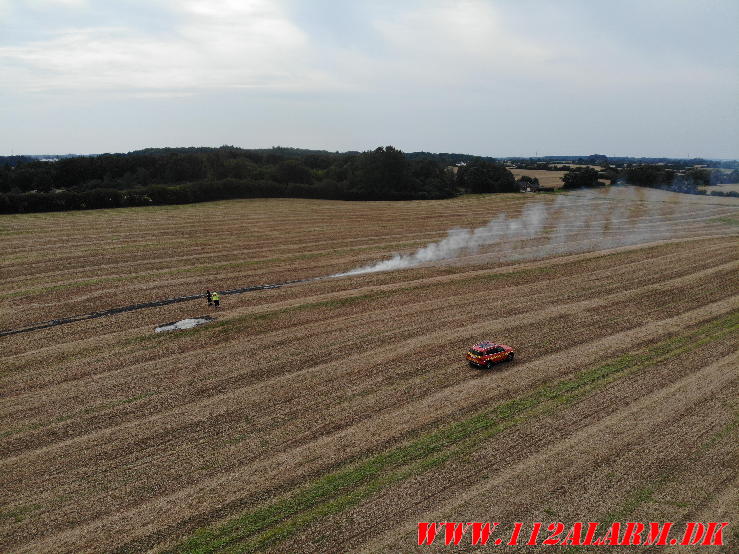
(546, 178)
(726, 187)
(334, 415)
(597, 167)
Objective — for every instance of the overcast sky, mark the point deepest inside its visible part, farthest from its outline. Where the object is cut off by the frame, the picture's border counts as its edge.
(490, 77)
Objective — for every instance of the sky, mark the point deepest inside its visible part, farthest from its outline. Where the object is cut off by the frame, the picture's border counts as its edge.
(486, 77)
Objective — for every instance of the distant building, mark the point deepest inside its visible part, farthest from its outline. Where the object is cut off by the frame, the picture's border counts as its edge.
(454, 168)
(527, 184)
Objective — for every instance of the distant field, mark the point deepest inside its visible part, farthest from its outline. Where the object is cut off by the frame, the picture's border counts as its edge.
(546, 178)
(596, 167)
(727, 187)
(341, 411)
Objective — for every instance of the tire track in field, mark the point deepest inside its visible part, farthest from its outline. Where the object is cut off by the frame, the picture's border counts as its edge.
(231, 379)
(525, 318)
(511, 268)
(513, 203)
(272, 250)
(195, 280)
(96, 379)
(153, 450)
(721, 505)
(636, 423)
(572, 495)
(501, 251)
(228, 380)
(158, 303)
(141, 306)
(264, 409)
(228, 487)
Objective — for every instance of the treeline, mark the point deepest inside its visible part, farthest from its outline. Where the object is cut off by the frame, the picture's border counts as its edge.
(19, 160)
(183, 175)
(580, 177)
(692, 180)
(555, 162)
(659, 175)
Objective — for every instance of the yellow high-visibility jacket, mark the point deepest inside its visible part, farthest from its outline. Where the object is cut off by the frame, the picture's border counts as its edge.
(215, 296)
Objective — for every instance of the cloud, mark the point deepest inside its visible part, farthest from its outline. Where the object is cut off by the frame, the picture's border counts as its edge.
(484, 76)
(452, 44)
(217, 44)
(266, 44)
(490, 45)
(43, 4)
(461, 33)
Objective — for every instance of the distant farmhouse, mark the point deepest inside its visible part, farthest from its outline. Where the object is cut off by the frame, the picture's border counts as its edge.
(454, 168)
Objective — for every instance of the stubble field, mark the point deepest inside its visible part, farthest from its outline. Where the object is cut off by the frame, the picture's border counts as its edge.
(546, 178)
(334, 415)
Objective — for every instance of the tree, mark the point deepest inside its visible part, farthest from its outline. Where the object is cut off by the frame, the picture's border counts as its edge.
(528, 180)
(292, 171)
(648, 175)
(482, 176)
(383, 173)
(699, 176)
(43, 181)
(580, 177)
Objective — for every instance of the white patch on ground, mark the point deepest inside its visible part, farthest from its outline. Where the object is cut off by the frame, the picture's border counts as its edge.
(183, 324)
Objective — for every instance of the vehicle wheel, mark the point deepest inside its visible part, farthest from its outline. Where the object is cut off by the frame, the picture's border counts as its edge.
(472, 365)
(489, 365)
(510, 357)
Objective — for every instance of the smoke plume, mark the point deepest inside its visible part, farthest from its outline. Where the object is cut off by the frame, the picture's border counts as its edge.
(576, 222)
(459, 242)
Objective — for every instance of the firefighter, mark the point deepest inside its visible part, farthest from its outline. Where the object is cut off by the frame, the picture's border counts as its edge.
(216, 299)
(210, 298)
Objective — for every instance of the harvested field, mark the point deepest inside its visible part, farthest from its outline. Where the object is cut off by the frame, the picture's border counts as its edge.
(546, 178)
(726, 187)
(551, 179)
(335, 414)
(597, 167)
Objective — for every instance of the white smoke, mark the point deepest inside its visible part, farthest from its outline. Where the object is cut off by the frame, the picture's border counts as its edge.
(576, 222)
(460, 242)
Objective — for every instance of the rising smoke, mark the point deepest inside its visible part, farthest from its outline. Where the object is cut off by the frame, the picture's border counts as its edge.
(580, 221)
(459, 242)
